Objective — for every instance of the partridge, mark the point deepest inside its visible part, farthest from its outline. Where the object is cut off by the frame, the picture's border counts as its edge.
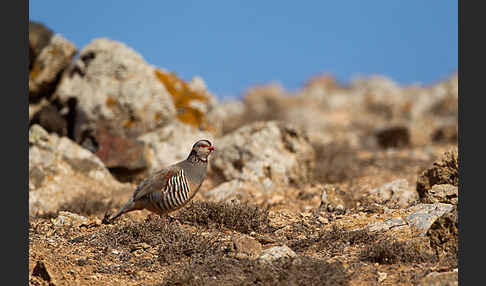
(171, 188)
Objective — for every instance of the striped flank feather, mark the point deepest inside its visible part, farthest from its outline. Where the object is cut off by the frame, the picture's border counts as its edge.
(175, 195)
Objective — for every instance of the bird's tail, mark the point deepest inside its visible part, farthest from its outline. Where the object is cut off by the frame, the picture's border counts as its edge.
(129, 206)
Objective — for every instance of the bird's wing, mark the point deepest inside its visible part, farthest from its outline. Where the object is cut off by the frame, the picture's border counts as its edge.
(156, 182)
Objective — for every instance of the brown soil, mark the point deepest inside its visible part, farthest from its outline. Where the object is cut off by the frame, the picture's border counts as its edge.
(197, 249)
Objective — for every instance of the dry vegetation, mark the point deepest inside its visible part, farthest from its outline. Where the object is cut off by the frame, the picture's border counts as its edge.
(221, 243)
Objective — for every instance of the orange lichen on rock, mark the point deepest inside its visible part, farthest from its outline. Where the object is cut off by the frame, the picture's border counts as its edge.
(110, 101)
(183, 96)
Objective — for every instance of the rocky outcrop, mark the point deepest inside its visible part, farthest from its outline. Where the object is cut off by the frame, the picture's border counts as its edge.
(266, 153)
(61, 172)
(395, 194)
(444, 234)
(39, 37)
(48, 65)
(444, 171)
(441, 193)
(110, 82)
(172, 143)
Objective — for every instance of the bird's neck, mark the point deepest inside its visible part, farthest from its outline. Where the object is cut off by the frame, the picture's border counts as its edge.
(197, 166)
(195, 159)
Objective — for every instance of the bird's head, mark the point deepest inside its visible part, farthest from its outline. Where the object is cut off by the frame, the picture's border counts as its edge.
(201, 149)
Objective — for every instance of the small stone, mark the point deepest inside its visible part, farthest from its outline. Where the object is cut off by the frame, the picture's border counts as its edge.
(437, 279)
(331, 199)
(382, 276)
(277, 252)
(141, 245)
(323, 220)
(441, 193)
(247, 245)
(69, 219)
(424, 215)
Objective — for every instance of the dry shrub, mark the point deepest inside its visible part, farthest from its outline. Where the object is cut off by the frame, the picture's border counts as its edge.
(231, 271)
(241, 217)
(333, 241)
(388, 251)
(336, 162)
(89, 204)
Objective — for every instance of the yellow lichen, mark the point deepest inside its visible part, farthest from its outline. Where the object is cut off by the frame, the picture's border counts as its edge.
(110, 101)
(128, 123)
(182, 96)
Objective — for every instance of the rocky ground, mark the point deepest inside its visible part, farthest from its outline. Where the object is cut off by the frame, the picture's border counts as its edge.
(328, 185)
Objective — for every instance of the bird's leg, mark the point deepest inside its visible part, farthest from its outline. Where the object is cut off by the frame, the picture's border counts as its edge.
(151, 217)
(172, 219)
(106, 218)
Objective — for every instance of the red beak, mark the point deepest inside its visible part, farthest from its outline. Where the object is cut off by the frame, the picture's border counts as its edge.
(211, 148)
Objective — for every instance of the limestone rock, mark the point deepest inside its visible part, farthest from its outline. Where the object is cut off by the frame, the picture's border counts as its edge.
(424, 215)
(39, 37)
(332, 198)
(441, 193)
(111, 82)
(172, 143)
(245, 245)
(444, 234)
(395, 194)
(277, 252)
(60, 172)
(234, 189)
(69, 219)
(50, 119)
(267, 153)
(49, 63)
(444, 171)
(440, 279)
(120, 152)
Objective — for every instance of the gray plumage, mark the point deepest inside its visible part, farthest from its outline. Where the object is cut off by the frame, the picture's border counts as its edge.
(171, 188)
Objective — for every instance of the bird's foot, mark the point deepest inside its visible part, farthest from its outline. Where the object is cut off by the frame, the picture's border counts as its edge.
(106, 218)
(173, 220)
(151, 217)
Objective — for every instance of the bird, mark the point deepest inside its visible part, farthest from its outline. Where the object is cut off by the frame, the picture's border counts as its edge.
(171, 188)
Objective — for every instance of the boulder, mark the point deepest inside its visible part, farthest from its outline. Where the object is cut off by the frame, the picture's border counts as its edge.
(193, 102)
(441, 193)
(227, 191)
(395, 194)
(48, 65)
(267, 153)
(423, 216)
(39, 37)
(62, 173)
(418, 220)
(450, 278)
(444, 234)
(112, 83)
(50, 119)
(120, 152)
(172, 143)
(444, 171)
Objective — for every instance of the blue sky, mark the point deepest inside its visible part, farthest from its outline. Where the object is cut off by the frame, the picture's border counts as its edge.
(236, 44)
